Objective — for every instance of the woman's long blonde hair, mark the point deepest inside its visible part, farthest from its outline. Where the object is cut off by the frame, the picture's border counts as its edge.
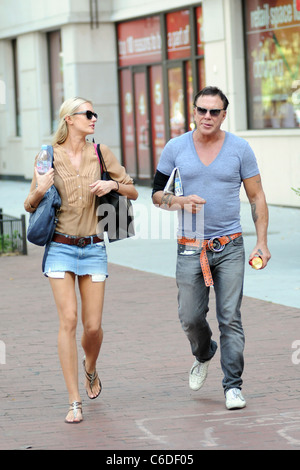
(67, 108)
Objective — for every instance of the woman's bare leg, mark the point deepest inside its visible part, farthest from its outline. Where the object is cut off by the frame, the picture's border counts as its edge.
(92, 298)
(66, 303)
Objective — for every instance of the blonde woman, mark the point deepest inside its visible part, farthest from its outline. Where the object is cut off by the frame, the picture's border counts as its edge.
(76, 250)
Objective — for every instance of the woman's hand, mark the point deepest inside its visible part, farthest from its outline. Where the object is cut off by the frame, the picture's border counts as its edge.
(102, 187)
(40, 185)
(44, 182)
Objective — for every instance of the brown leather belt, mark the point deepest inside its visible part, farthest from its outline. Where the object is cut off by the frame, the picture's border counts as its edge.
(215, 244)
(77, 241)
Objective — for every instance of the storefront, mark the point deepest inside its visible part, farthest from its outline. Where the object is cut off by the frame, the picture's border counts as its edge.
(161, 66)
(273, 63)
(141, 64)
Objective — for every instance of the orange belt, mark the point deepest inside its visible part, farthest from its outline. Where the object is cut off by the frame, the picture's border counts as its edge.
(215, 244)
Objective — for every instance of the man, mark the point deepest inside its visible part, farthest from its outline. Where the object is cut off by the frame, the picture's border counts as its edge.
(213, 164)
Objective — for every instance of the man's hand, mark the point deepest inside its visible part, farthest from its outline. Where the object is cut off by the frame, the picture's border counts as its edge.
(263, 252)
(193, 203)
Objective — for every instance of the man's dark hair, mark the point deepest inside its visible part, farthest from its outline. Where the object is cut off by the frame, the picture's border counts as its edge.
(212, 91)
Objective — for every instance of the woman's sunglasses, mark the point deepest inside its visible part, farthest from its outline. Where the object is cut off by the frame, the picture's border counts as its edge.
(212, 112)
(89, 114)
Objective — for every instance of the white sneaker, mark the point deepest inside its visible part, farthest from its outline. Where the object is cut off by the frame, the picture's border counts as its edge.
(198, 374)
(234, 399)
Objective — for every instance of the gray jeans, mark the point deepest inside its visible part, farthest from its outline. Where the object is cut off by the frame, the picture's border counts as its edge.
(227, 268)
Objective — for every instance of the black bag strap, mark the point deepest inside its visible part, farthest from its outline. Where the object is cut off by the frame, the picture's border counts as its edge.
(100, 157)
(102, 163)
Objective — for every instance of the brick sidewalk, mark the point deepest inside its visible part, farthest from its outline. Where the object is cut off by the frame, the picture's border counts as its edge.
(146, 403)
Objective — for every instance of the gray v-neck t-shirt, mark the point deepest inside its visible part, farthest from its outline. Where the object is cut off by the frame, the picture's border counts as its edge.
(218, 183)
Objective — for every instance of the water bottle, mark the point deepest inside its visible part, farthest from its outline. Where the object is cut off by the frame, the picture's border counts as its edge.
(43, 163)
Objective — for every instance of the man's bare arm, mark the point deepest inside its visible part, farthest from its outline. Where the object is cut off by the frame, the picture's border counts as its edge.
(260, 216)
(170, 202)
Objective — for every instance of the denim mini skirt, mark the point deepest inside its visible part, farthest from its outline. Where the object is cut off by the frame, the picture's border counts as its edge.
(90, 259)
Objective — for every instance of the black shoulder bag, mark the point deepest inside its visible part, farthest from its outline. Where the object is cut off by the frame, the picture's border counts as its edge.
(115, 211)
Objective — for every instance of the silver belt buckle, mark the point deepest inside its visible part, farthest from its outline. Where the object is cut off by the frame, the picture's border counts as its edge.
(214, 244)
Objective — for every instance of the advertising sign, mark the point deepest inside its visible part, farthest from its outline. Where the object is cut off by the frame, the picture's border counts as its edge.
(273, 55)
(178, 34)
(139, 41)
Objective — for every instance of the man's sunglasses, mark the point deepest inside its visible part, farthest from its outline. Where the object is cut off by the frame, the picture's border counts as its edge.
(89, 114)
(212, 112)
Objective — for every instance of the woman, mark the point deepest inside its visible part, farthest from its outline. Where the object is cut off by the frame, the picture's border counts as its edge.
(77, 177)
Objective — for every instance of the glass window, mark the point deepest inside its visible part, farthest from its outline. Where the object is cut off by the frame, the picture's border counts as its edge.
(56, 76)
(127, 122)
(201, 73)
(189, 95)
(157, 112)
(176, 102)
(273, 63)
(199, 19)
(142, 125)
